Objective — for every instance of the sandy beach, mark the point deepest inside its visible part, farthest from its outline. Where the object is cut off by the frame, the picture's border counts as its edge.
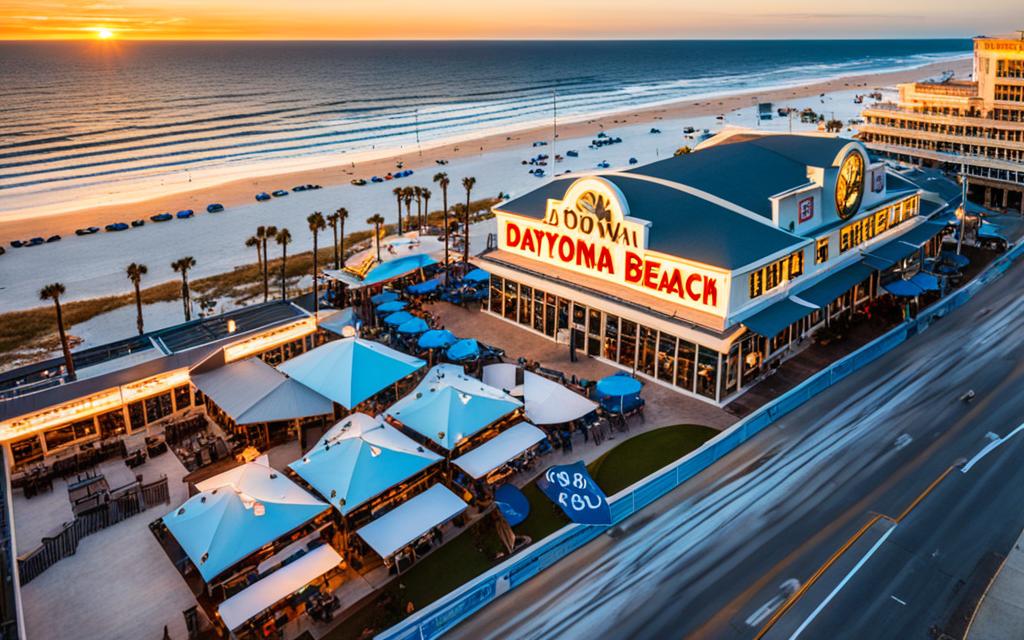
(217, 240)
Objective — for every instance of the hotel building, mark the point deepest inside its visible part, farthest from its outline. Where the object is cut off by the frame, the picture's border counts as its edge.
(702, 270)
(978, 124)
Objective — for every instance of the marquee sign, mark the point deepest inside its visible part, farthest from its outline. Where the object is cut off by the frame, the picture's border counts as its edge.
(591, 232)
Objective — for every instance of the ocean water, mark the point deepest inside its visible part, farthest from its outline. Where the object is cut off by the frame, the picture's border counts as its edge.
(80, 122)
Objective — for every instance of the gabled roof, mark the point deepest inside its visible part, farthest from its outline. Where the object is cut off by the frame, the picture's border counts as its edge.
(350, 370)
(251, 391)
(359, 458)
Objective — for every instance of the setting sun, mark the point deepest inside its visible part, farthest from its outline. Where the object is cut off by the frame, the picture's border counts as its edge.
(104, 34)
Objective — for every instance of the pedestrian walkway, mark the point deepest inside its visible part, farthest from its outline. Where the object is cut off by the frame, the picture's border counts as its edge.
(1001, 613)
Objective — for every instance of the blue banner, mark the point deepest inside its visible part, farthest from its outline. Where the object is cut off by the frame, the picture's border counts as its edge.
(571, 488)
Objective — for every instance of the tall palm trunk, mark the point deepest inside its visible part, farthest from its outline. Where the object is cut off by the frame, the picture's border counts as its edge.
(266, 268)
(444, 197)
(337, 258)
(69, 363)
(284, 271)
(316, 269)
(138, 305)
(185, 295)
(341, 223)
(465, 252)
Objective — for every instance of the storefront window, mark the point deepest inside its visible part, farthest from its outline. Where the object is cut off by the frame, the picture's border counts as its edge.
(563, 315)
(525, 305)
(69, 433)
(511, 299)
(538, 311)
(707, 372)
(496, 294)
(611, 338)
(627, 344)
(685, 364)
(594, 333)
(780, 341)
(111, 423)
(182, 397)
(137, 415)
(751, 348)
(579, 323)
(648, 350)
(732, 369)
(549, 315)
(158, 407)
(26, 450)
(666, 357)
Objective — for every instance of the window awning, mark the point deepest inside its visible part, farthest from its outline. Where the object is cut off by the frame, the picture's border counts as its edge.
(889, 253)
(244, 605)
(400, 526)
(836, 284)
(922, 233)
(500, 449)
(769, 321)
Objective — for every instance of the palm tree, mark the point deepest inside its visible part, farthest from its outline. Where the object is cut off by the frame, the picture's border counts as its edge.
(426, 205)
(441, 179)
(376, 220)
(332, 219)
(417, 193)
(182, 266)
(135, 273)
(407, 198)
(268, 234)
(54, 292)
(284, 236)
(316, 225)
(253, 241)
(399, 194)
(467, 184)
(342, 214)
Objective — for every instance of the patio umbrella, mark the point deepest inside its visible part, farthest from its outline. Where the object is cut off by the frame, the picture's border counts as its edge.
(384, 296)
(437, 339)
(393, 306)
(903, 288)
(926, 281)
(957, 260)
(416, 325)
(989, 230)
(425, 287)
(477, 275)
(619, 386)
(398, 318)
(463, 350)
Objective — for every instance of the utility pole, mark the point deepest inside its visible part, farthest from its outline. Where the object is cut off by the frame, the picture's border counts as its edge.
(963, 206)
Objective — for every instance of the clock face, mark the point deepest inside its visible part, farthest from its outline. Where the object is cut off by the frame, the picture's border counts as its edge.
(850, 185)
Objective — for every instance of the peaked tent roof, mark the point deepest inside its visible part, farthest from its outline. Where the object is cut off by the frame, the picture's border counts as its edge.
(218, 527)
(350, 370)
(359, 458)
(448, 406)
(252, 391)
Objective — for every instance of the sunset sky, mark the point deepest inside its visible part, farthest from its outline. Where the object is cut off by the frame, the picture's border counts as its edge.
(488, 19)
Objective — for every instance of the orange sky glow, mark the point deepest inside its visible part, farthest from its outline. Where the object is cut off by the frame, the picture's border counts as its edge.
(489, 19)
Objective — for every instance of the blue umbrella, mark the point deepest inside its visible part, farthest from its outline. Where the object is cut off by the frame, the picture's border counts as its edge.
(425, 287)
(393, 306)
(437, 339)
(902, 288)
(618, 385)
(512, 504)
(477, 275)
(463, 350)
(416, 325)
(384, 296)
(926, 281)
(954, 259)
(398, 318)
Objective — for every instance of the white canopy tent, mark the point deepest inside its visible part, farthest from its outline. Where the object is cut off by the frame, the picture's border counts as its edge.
(359, 458)
(251, 391)
(546, 401)
(350, 370)
(500, 449)
(397, 528)
(244, 605)
(237, 512)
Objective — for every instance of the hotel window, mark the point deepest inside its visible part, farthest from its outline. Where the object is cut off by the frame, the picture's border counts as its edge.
(611, 337)
(137, 416)
(666, 358)
(511, 300)
(111, 423)
(707, 372)
(496, 296)
(627, 344)
(648, 351)
(26, 450)
(821, 251)
(525, 304)
(686, 359)
(64, 435)
(538, 311)
(182, 397)
(158, 407)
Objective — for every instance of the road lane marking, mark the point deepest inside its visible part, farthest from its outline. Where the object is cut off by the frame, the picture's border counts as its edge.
(842, 583)
(898, 600)
(990, 447)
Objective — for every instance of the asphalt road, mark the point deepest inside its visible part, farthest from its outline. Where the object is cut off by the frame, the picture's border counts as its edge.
(717, 556)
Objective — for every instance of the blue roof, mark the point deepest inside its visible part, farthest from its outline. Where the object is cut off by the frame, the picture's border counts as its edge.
(836, 284)
(769, 321)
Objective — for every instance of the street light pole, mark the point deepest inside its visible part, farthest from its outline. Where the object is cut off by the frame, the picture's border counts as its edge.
(963, 206)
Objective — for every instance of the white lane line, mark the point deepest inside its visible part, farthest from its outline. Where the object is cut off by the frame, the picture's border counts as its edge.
(842, 583)
(989, 448)
(898, 600)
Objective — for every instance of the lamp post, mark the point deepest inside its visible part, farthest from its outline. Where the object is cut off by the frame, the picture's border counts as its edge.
(962, 211)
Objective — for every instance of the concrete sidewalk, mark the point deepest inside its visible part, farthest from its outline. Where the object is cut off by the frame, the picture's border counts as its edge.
(1001, 613)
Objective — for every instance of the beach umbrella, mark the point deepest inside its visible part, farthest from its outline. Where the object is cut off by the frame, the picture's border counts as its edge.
(425, 287)
(398, 318)
(384, 296)
(926, 281)
(955, 259)
(437, 339)
(477, 275)
(463, 350)
(416, 325)
(393, 306)
(619, 386)
(903, 288)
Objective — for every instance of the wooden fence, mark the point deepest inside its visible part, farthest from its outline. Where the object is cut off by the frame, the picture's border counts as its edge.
(129, 501)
